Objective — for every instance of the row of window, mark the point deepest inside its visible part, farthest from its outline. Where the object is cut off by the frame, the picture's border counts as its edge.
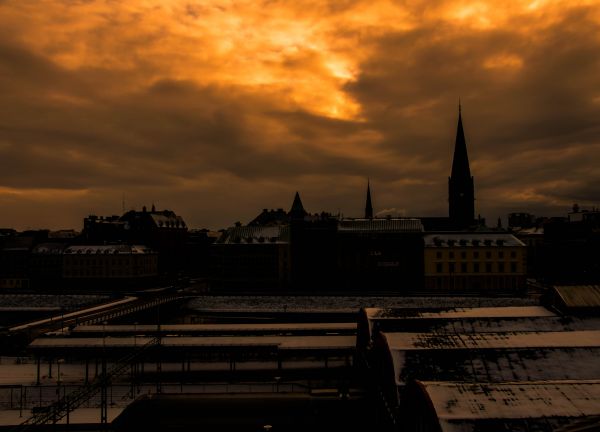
(475, 254)
(476, 267)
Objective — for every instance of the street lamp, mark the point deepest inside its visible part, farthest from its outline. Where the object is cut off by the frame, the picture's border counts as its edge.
(58, 363)
(103, 393)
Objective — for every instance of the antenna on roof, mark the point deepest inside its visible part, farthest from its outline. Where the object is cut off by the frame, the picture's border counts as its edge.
(123, 203)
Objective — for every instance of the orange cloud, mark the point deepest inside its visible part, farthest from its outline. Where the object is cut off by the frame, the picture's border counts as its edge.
(161, 97)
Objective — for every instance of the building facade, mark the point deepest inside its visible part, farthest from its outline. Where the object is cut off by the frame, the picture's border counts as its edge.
(109, 263)
(484, 263)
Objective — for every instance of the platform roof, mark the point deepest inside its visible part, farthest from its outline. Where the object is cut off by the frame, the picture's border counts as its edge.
(216, 328)
(459, 405)
(281, 342)
(504, 340)
(459, 312)
(579, 296)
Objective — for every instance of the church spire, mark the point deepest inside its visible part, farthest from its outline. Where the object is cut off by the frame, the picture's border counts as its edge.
(461, 190)
(460, 162)
(368, 205)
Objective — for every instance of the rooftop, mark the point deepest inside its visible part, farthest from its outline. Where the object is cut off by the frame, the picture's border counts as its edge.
(255, 235)
(108, 249)
(470, 239)
(459, 313)
(380, 225)
(461, 401)
(504, 340)
(579, 296)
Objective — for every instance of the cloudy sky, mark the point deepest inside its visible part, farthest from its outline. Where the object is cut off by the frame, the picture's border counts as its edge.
(218, 109)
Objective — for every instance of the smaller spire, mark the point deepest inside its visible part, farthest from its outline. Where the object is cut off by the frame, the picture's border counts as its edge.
(368, 205)
(297, 211)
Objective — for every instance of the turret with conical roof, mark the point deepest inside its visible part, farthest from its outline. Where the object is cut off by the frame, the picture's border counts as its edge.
(297, 211)
(368, 205)
(461, 190)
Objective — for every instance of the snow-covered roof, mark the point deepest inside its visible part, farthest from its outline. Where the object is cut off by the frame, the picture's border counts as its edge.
(459, 313)
(256, 235)
(49, 248)
(504, 340)
(471, 239)
(496, 365)
(455, 402)
(466, 320)
(167, 220)
(108, 249)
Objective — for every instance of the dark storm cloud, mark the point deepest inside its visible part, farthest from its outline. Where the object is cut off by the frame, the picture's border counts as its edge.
(195, 108)
(529, 121)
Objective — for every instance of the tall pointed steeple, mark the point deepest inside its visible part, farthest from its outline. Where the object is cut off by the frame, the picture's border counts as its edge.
(460, 162)
(297, 211)
(368, 205)
(461, 189)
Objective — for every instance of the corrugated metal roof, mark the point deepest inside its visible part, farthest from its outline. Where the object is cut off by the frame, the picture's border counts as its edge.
(467, 401)
(380, 225)
(579, 296)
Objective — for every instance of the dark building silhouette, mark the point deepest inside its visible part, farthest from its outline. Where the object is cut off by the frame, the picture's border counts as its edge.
(297, 211)
(251, 257)
(571, 248)
(368, 205)
(521, 220)
(312, 248)
(271, 217)
(162, 230)
(461, 191)
(379, 254)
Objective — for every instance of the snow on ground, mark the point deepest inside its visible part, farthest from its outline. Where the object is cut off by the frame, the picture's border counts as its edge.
(344, 303)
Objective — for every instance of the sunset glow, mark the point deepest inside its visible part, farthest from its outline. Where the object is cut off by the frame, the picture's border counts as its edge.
(156, 99)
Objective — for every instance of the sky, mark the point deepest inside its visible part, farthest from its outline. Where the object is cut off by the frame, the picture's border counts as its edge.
(218, 109)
